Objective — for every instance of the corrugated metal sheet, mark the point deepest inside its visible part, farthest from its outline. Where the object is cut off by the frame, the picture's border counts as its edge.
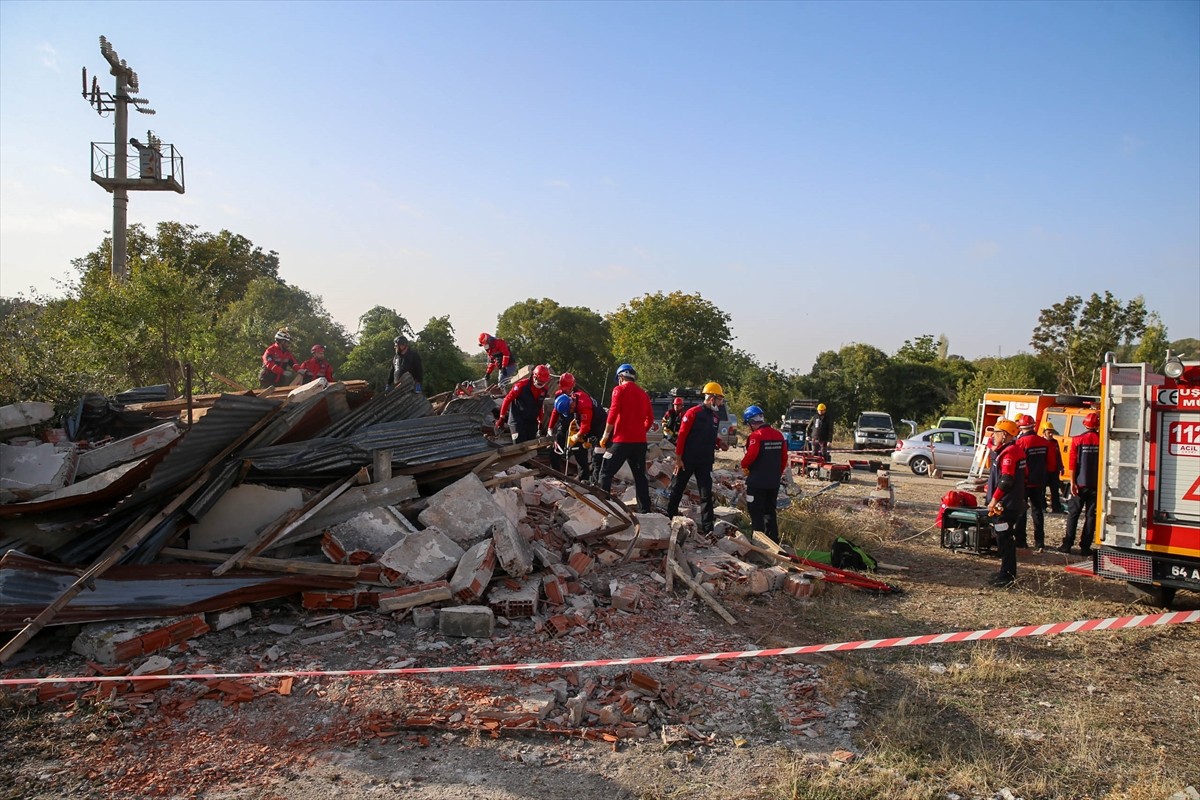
(413, 442)
(28, 585)
(309, 416)
(145, 394)
(400, 403)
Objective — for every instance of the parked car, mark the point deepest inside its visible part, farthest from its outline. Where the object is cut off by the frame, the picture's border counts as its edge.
(948, 449)
(874, 429)
(957, 423)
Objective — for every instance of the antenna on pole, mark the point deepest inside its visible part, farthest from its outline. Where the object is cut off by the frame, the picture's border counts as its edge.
(110, 163)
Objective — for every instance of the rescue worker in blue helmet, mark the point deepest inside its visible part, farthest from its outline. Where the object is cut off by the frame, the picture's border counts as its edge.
(764, 465)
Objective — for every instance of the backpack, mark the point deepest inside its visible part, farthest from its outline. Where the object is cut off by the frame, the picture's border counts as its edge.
(845, 554)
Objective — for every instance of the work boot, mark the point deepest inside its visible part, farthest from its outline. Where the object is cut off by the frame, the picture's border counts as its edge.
(1064, 548)
(1000, 580)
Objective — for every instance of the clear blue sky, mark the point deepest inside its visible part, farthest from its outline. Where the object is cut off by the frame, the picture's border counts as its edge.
(823, 172)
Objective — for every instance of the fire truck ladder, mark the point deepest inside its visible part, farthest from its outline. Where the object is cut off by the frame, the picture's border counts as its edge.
(1125, 452)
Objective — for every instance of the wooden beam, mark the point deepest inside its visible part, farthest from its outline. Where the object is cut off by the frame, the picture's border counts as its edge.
(267, 564)
(701, 592)
(232, 384)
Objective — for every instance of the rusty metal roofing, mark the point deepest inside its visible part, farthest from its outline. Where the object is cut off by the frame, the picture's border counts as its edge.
(28, 585)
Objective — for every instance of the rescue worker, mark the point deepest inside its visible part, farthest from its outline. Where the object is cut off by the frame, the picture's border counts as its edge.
(317, 366)
(574, 426)
(1006, 497)
(1053, 474)
(695, 450)
(819, 432)
(671, 420)
(405, 360)
(278, 361)
(630, 415)
(499, 357)
(764, 465)
(1085, 478)
(1037, 460)
(523, 407)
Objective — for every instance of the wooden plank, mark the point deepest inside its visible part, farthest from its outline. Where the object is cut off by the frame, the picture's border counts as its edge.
(232, 384)
(286, 524)
(701, 592)
(268, 564)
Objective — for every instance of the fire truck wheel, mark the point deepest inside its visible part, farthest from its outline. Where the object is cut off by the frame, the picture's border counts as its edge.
(919, 465)
(1157, 596)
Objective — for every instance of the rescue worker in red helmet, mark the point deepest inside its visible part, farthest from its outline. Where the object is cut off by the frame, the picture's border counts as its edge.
(523, 407)
(317, 366)
(1085, 479)
(672, 419)
(575, 424)
(498, 356)
(1040, 456)
(278, 361)
(1006, 497)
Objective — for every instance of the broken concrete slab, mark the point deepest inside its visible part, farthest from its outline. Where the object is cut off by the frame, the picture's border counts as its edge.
(113, 642)
(410, 596)
(366, 536)
(353, 501)
(131, 448)
(512, 500)
(31, 471)
(465, 511)
(220, 620)
(513, 550)
(652, 532)
(472, 622)
(424, 556)
(474, 572)
(235, 520)
(21, 418)
(425, 617)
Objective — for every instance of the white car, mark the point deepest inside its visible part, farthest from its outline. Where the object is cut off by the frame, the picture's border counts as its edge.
(944, 448)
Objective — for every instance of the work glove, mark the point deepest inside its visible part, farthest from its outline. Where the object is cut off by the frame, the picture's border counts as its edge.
(746, 471)
(573, 440)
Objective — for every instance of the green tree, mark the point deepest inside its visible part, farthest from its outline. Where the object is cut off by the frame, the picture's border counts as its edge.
(924, 350)
(766, 386)
(675, 339)
(1022, 371)
(849, 381)
(445, 365)
(371, 358)
(569, 339)
(1074, 336)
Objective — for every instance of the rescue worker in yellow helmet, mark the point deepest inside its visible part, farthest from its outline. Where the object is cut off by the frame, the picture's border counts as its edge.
(695, 451)
(818, 433)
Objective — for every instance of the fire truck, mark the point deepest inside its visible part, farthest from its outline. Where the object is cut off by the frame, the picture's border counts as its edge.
(1148, 503)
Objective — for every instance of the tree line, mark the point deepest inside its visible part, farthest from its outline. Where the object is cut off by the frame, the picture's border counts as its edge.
(214, 301)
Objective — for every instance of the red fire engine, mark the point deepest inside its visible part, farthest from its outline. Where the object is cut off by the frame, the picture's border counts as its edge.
(1148, 505)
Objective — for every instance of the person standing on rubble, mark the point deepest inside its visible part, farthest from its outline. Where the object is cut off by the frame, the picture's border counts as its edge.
(317, 366)
(1037, 461)
(405, 360)
(1006, 497)
(630, 415)
(523, 407)
(672, 419)
(695, 451)
(819, 433)
(278, 361)
(499, 357)
(764, 465)
(573, 424)
(1085, 477)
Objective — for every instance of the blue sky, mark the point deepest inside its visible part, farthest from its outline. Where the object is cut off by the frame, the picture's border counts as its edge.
(824, 173)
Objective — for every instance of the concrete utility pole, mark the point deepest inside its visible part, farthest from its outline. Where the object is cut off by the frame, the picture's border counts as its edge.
(110, 163)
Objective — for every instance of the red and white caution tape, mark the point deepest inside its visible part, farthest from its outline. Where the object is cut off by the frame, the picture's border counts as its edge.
(1022, 631)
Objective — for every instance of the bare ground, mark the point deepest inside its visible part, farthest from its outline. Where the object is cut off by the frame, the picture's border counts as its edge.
(1098, 715)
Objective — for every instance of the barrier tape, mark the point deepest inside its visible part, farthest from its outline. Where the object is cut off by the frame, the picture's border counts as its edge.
(987, 634)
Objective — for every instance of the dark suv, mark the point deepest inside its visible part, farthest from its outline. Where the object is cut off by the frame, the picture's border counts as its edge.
(874, 429)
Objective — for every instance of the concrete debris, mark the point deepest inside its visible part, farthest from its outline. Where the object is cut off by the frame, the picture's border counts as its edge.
(236, 519)
(29, 471)
(365, 537)
(424, 556)
(475, 622)
(465, 511)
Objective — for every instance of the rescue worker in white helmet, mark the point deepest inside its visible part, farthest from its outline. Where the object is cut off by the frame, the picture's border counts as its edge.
(278, 361)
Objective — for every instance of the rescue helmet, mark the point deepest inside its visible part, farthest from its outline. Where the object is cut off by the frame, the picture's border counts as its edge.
(562, 405)
(1026, 421)
(1048, 427)
(318, 350)
(566, 382)
(753, 415)
(541, 375)
(1006, 425)
(678, 403)
(712, 387)
(627, 371)
(484, 338)
(1092, 421)
(399, 340)
(282, 335)
(820, 408)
